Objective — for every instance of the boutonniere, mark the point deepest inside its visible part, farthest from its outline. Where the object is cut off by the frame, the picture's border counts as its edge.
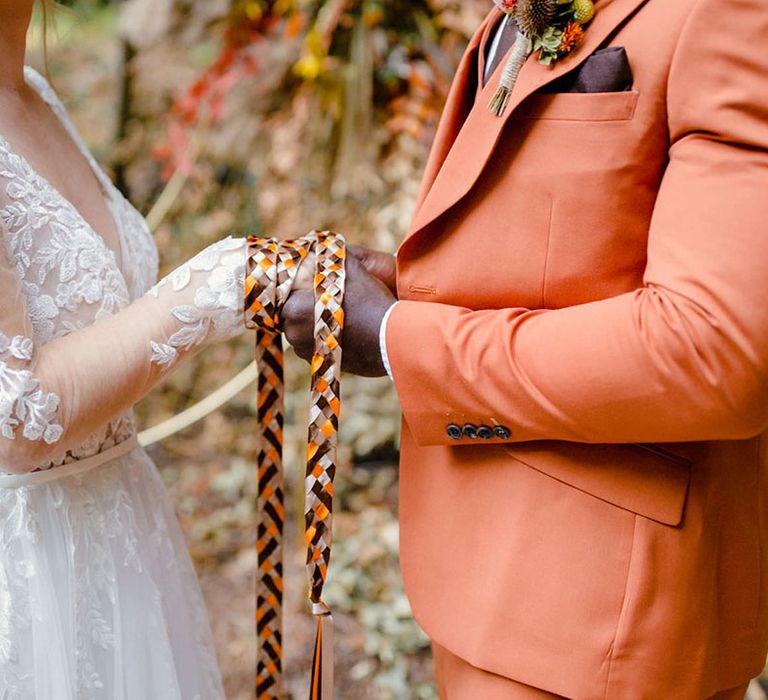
(552, 27)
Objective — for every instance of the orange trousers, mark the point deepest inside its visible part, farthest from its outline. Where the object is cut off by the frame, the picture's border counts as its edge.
(458, 680)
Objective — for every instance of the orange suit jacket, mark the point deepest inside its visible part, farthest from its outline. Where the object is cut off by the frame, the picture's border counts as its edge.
(591, 272)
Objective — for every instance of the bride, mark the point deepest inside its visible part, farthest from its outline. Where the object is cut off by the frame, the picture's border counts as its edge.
(98, 597)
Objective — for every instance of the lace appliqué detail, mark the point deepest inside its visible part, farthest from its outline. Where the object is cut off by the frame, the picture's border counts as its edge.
(22, 402)
(114, 433)
(69, 277)
(82, 269)
(216, 312)
(123, 549)
(19, 347)
(89, 550)
(140, 258)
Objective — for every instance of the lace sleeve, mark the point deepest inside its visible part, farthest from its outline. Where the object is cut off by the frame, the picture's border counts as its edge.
(208, 295)
(23, 404)
(53, 396)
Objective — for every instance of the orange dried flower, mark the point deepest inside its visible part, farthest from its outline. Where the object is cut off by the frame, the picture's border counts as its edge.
(507, 6)
(572, 35)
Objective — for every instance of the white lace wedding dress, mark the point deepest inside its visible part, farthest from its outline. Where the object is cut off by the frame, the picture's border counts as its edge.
(98, 597)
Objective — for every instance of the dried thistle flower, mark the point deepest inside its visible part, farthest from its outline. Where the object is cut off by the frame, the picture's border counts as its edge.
(534, 16)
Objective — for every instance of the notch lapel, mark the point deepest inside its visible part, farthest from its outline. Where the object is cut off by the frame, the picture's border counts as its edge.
(481, 131)
(457, 107)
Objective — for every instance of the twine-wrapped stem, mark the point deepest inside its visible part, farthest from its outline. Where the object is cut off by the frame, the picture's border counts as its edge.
(520, 52)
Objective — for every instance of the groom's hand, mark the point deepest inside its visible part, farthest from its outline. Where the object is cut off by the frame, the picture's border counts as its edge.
(366, 301)
(383, 266)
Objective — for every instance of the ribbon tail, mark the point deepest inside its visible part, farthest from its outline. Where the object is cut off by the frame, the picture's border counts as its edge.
(322, 660)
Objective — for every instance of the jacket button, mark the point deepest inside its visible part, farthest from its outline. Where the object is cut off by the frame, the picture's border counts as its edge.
(502, 432)
(485, 432)
(470, 431)
(454, 432)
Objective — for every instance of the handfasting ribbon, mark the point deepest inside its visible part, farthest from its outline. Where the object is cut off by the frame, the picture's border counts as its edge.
(271, 273)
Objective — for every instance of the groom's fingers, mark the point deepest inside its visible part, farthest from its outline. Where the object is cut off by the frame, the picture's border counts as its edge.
(299, 321)
(383, 266)
(306, 275)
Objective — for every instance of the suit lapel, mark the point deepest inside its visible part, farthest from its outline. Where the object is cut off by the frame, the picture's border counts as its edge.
(486, 39)
(457, 106)
(469, 153)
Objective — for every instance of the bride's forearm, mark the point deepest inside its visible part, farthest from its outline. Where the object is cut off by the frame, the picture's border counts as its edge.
(55, 396)
(78, 382)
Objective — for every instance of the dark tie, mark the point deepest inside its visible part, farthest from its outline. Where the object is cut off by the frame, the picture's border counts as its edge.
(508, 34)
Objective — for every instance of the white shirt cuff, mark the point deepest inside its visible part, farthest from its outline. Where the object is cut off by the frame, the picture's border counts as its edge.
(383, 340)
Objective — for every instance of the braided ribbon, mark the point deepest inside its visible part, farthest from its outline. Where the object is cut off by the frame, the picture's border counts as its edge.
(271, 273)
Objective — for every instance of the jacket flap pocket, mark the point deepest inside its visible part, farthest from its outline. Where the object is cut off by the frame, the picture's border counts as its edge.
(644, 479)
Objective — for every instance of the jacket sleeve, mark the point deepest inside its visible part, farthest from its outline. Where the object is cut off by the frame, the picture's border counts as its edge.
(55, 395)
(682, 358)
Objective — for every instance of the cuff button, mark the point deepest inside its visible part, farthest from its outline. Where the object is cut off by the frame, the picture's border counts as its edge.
(454, 432)
(502, 432)
(485, 432)
(470, 431)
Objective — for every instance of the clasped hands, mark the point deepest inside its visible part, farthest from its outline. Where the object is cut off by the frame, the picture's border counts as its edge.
(370, 292)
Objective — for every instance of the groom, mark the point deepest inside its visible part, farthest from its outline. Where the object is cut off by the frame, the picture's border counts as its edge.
(580, 348)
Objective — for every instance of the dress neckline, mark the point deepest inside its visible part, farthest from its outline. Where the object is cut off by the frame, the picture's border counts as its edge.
(46, 94)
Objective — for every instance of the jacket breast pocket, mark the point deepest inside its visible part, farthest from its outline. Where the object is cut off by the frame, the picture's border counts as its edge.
(580, 106)
(649, 480)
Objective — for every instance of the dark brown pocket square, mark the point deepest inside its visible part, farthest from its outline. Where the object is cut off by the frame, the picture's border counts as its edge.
(606, 70)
